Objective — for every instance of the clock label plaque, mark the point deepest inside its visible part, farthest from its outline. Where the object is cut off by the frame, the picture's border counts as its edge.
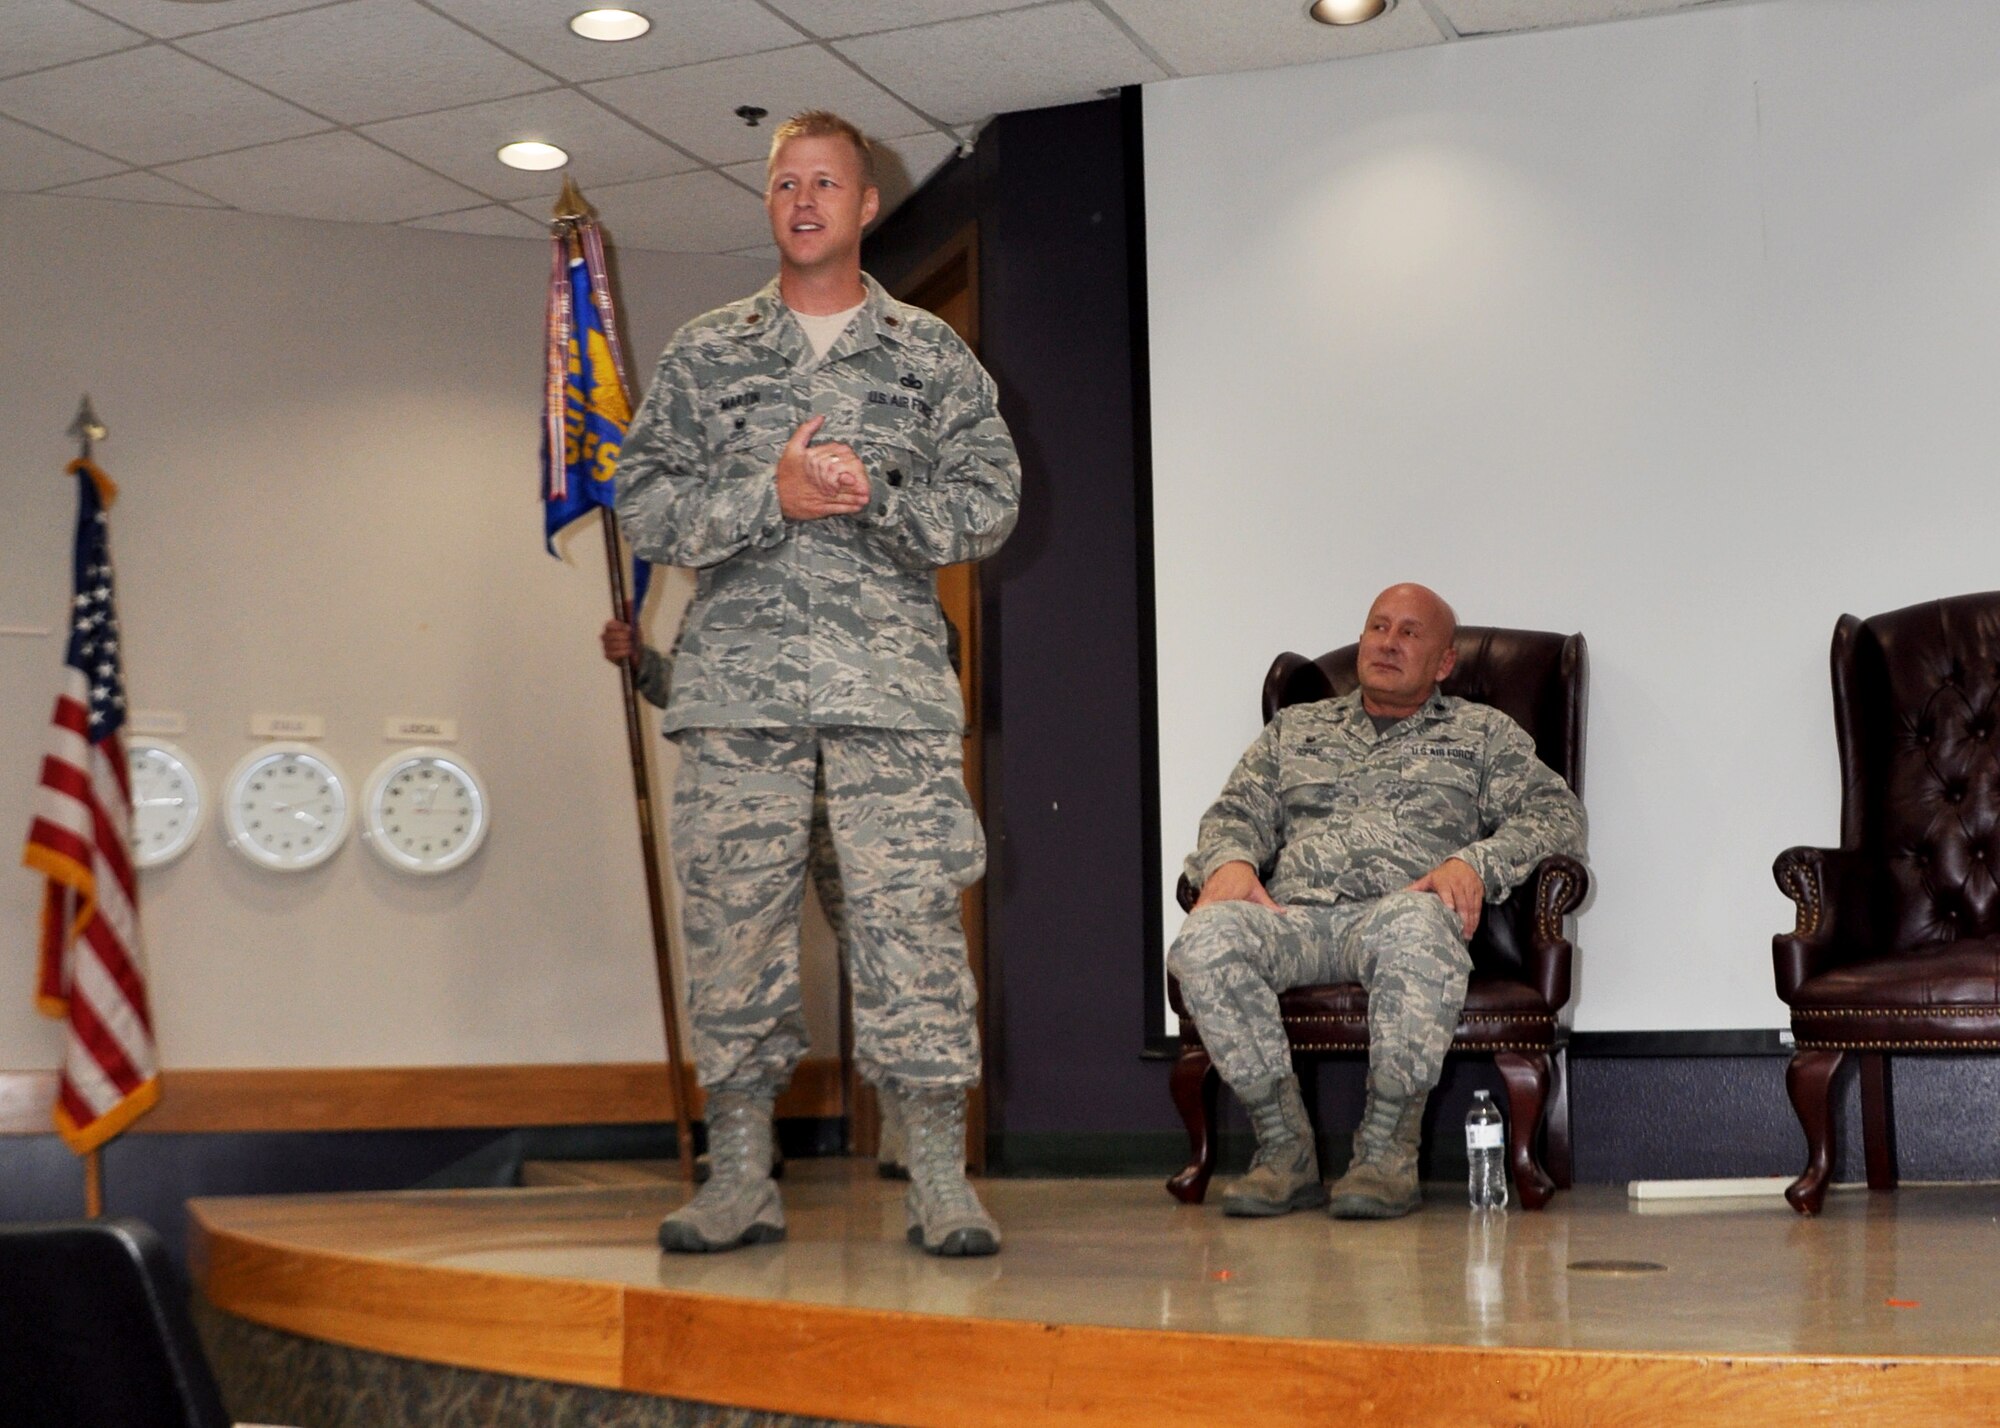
(288, 726)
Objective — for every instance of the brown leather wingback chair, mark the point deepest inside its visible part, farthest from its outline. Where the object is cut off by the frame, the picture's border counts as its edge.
(1520, 954)
(1897, 944)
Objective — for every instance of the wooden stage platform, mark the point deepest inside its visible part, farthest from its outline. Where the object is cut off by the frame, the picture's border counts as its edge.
(1112, 1306)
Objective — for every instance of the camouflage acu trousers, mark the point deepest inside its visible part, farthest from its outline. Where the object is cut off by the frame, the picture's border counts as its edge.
(906, 840)
(823, 866)
(1233, 958)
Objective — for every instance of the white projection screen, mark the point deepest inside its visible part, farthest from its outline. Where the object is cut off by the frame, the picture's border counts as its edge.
(1682, 332)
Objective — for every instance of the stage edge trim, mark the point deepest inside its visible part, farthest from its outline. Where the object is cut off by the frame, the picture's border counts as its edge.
(952, 1372)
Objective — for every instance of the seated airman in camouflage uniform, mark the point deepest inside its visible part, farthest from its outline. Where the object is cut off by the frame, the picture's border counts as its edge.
(816, 452)
(1385, 819)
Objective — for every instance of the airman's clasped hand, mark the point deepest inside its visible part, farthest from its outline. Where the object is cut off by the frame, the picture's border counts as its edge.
(819, 481)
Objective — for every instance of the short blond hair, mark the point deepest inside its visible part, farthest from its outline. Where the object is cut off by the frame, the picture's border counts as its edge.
(822, 124)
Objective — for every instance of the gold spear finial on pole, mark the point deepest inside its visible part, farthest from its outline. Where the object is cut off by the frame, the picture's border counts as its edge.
(571, 205)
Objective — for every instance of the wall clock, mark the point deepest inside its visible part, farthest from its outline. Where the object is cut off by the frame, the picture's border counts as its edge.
(425, 811)
(285, 807)
(168, 801)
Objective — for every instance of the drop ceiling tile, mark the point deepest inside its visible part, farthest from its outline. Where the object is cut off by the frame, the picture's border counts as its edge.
(902, 165)
(836, 19)
(1486, 17)
(685, 32)
(749, 173)
(1225, 39)
(45, 32)
(964, 70)
(170, 19)
(909, 163)
(368, 59)
(460, 143)
(31, 160)
(695, 105)
(151, 106)
(495, 220)
(333, 176)
(700, 212)
(138, 187)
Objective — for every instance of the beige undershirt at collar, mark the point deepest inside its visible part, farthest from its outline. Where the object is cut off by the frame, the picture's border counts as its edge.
(822, 331)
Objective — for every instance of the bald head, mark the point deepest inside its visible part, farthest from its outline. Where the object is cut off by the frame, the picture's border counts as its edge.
(1429, 605)
(1405, 650)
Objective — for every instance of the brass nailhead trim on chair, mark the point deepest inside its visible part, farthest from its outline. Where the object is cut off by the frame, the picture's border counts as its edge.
(1983, 1042)
(1476, 1016)
(1555, 895)
(1191, 1037)
(1799, 1013)
(1797, 882)
(1877, 1043)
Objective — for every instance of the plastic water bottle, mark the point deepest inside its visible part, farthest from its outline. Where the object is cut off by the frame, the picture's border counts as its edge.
(1486, 1154)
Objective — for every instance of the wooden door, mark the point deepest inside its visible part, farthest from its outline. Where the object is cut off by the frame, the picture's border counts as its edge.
(948, 285)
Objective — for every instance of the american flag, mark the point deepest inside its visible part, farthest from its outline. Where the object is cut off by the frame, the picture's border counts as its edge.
(90, 965)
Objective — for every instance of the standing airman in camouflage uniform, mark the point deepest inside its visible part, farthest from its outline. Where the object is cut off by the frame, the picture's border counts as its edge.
(652, 676)
(1385, 819)
(816, 452)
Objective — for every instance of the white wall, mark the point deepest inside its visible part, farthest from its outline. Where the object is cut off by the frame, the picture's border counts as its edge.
(1680, 332)
(327, 440)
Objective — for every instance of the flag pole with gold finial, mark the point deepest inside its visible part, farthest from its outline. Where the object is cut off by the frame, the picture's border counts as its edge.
(88, 431)
(574, 228)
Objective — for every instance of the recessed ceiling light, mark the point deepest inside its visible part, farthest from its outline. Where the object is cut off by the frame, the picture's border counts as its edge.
(1349, 12)
(611, 24)
(530, 155)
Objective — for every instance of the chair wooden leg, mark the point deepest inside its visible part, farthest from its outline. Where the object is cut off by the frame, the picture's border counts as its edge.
(1555, 1134)
(1809, 1080)
(1527, 1079)
(1196, 1089)
(1878, 1121)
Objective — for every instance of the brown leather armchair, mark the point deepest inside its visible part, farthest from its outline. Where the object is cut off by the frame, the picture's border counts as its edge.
(1520, 955)
(1897, 943)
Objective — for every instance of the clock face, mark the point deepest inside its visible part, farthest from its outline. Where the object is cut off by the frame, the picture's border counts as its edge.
(167, 801)
(286, 807)
(426, 811)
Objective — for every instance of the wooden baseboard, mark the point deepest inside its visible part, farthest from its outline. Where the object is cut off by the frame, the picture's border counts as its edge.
(355, 1098)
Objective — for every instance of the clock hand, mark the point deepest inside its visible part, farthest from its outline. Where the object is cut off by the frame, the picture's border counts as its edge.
(307, 817)
(158, 802)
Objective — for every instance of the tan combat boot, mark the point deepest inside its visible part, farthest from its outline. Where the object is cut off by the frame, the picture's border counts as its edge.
(1284, 1174)
(739, 1204)
(945, 1216)
(1381, 1182)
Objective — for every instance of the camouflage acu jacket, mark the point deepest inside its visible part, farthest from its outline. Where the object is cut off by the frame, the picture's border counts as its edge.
(1349, 814)
(833, 621)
